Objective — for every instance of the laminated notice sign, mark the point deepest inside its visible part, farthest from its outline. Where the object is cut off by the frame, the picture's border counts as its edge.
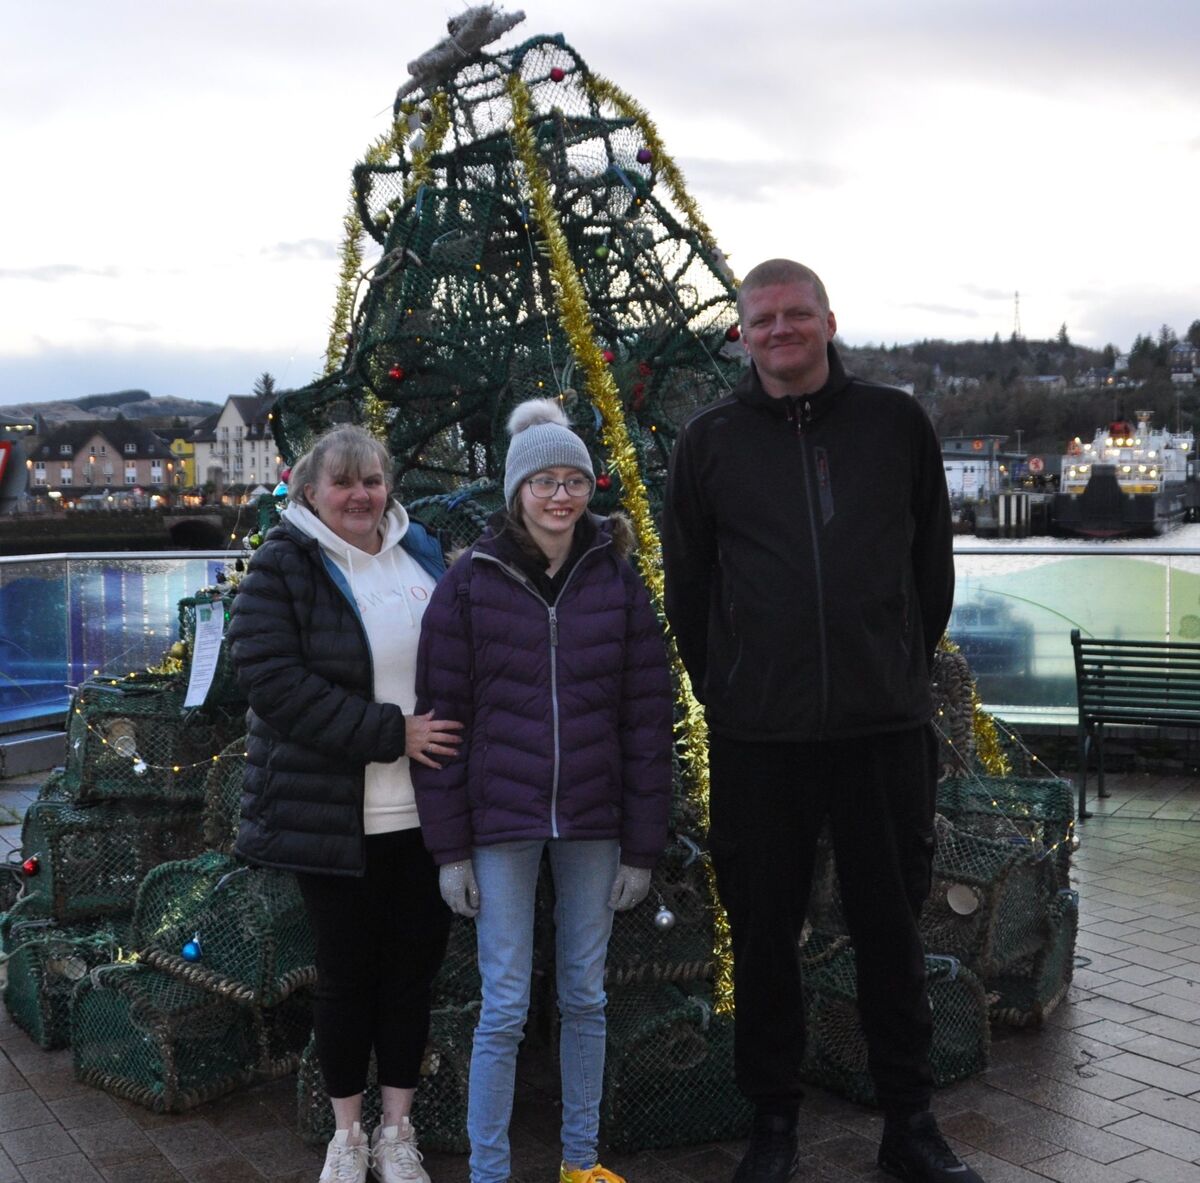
(206, 650)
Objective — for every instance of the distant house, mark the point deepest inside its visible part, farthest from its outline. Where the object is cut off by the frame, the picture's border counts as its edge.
(183, 451)
(1055, 382)
(235, 449)
(100, 456)
(1184, 361)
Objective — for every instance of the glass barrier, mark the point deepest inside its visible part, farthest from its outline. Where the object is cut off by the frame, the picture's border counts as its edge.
(1016, 604)
(65, 618)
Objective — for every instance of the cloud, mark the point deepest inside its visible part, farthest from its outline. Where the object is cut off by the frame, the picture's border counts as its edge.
(756, 180)
(56, 272)
(945, 310)
(209, 375)
(304, 250)
(981, 293)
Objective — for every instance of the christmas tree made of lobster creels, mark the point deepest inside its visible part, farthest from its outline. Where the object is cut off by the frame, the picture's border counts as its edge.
(536, 240)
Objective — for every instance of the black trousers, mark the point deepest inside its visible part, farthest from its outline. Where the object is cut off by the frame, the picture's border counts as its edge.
(380, 940)
(768, 803)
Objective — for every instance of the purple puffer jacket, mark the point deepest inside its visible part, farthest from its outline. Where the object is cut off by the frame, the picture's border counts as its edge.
(567, 707)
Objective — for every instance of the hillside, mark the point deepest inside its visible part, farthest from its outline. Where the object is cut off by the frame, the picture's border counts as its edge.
(993, 388)
(132, 404)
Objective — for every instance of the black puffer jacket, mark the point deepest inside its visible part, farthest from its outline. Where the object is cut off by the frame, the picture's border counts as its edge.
(302, 659)
(808, 559)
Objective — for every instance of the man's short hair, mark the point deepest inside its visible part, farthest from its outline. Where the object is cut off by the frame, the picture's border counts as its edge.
(782, 271)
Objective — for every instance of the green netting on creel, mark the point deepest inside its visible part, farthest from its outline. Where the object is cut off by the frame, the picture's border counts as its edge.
(458, 322)
(282, 1032)
(55, 786)
(223, 691)
(987, 901)
(157, 1041)
(835, 1055)
(1041, 810)
(643, 950)
(954, 710)
(459, 517)
(668, 1070)
(93, 858)
(133, 739)
(12, 883)
(457, 980)
(1027, 994)
(255, 943)
(25, 919)
(987, 906)
(440, 1107)
(223, 798)
(42, 972)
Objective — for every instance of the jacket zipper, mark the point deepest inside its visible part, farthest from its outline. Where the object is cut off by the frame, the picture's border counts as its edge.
(552, 620)
(799, 418)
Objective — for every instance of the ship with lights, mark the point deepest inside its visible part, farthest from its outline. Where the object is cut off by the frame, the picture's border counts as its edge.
(1132, 480)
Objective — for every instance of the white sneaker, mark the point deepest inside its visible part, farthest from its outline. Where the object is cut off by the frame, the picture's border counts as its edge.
(394, 1154)
(347, 1157)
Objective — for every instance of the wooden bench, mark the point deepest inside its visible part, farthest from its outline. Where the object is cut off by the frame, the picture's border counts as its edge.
(1140, 683)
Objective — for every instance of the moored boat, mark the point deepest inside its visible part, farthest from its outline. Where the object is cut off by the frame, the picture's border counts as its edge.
(1131, 480)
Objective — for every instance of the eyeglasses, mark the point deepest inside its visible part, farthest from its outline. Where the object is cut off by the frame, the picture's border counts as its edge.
(544, 487)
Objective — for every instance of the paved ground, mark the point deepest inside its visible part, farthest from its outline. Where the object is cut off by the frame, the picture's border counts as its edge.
(1107, 1092)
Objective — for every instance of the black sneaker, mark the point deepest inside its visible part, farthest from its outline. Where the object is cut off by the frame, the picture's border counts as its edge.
(773, 1155)
(914, 1149)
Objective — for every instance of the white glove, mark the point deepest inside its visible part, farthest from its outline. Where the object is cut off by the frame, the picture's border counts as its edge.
(629, 887)
(456, 881)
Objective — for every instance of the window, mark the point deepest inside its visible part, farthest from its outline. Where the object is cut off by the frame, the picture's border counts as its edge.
(108, 470)
(65, 450)
(130, 449)
(156, 472)
(66, 476)
(39, 473)
(131, 476)
(103, 449)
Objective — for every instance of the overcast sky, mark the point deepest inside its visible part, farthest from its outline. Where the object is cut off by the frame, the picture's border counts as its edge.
(176, 172)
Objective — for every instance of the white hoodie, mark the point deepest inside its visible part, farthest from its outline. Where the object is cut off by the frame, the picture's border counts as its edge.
(391, 590)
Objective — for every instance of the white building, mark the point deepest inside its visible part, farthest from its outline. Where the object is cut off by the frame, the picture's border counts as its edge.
(235, 450)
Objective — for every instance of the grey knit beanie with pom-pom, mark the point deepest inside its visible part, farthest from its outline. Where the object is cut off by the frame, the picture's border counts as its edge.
(541, 438)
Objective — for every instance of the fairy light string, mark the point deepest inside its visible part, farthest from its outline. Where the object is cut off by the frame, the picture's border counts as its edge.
(575, 319)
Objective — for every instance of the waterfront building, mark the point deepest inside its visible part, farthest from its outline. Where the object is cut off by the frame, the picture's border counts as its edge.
(234, 450)
(107, 458)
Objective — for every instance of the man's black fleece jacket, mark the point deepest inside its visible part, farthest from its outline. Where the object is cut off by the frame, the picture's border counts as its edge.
(808, 559)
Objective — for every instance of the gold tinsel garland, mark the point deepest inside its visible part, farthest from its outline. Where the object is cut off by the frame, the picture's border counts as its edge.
(601, 89)
(574, 316)
(374, 409)
(351, 252)
(439, 124)
(988, 751)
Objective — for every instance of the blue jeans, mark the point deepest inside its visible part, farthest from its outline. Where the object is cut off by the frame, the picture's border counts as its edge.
(507, 877)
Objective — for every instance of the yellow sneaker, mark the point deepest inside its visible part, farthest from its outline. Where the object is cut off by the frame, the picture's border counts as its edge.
(596, 1174)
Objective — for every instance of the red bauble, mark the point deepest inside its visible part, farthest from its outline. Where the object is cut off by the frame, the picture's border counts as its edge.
(557, 73)
(603, 481)
(732, 333)
(285, 475)
(645, 369)
(31, 866)
(396, 373)
(609, 357)
(638, 401)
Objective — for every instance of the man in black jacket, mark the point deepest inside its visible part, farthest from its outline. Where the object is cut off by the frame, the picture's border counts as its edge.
(809, 576)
